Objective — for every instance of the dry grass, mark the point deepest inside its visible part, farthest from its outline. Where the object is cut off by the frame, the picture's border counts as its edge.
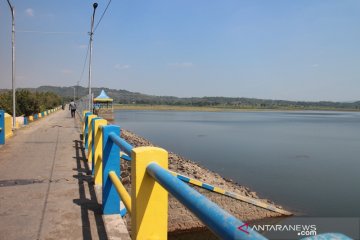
(178, 108)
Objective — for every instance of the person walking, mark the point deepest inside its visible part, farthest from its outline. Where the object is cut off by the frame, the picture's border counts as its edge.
(72, 107)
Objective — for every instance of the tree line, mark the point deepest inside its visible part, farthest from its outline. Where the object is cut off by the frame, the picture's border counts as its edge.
(28, 103)
(127, 97)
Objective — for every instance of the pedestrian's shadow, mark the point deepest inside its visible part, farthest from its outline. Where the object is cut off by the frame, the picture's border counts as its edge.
(85, 179)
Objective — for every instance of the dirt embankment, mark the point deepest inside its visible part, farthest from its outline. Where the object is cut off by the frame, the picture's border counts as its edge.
(181, 219)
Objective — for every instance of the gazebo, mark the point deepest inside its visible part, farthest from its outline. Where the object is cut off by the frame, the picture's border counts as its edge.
(103, 106)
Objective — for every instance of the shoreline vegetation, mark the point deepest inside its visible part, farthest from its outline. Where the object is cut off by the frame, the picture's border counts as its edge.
(156, 107)
(139, 101)
(29, 103)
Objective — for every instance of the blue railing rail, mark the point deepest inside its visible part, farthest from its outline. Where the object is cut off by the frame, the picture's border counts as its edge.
(220, 222)
(122, 143)
(150, 184)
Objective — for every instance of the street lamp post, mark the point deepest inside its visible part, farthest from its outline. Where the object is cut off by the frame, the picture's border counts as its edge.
(90, 56)
(13, 62)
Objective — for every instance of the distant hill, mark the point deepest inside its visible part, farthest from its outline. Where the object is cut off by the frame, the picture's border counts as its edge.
(127, 97)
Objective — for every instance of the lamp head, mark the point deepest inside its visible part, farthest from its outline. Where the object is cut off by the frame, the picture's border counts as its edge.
(95, 5)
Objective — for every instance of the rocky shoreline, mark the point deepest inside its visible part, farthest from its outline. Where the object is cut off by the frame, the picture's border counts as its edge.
(180, 218)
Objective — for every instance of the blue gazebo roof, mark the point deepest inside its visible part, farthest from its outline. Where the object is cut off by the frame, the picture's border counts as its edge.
(103, 97)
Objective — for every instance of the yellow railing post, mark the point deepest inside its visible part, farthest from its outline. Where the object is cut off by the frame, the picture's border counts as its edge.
(8, 126)
(98, 150)
(149, 201)
(89, 146)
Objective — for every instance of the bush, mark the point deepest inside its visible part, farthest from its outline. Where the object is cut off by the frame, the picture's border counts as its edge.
(28, 103)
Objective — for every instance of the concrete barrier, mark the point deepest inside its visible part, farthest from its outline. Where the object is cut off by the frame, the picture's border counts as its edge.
(2, 127)
(8, 126)
(6, 122)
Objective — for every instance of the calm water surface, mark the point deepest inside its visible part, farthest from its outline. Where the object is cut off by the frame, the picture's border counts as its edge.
(306, 161)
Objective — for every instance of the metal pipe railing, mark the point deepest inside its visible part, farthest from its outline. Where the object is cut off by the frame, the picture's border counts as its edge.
(122, 143)
(125, 197)
(125, 157)
(209, 187)
(150, 184)
(220, 222)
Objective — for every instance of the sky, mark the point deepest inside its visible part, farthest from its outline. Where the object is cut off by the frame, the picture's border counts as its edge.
(280, 49)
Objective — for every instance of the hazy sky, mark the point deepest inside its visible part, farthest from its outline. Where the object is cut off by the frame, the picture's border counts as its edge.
(278, 49)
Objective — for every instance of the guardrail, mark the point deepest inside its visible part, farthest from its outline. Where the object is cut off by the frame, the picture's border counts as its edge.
(2, 127)
(6, 128)
(150, 183)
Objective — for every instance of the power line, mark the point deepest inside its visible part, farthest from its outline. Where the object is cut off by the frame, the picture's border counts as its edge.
(85, 61)
(102, 16)
(48, 32)
(88, 48)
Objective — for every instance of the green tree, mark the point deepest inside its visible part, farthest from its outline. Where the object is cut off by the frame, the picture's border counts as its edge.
(28, 103)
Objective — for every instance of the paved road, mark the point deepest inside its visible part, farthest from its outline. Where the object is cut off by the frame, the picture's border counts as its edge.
(45, 192)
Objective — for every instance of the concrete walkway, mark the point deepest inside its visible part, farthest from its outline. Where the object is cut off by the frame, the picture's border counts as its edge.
(45, 189)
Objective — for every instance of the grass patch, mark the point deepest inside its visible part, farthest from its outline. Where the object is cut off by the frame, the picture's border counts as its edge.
(150, 107)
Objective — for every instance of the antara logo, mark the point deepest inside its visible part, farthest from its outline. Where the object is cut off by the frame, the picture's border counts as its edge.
(244, 228)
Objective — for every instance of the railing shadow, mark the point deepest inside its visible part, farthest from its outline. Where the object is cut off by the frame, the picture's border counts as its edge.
(84, 176)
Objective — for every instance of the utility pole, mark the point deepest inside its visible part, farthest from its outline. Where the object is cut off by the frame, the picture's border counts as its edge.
(77, 89)
(13, 62)
(74, 92)
(90, 57)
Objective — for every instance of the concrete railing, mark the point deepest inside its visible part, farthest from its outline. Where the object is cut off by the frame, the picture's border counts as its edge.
(150, 183)
(6, 128)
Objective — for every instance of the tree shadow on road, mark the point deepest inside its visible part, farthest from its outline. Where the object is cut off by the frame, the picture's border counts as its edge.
(85, 179)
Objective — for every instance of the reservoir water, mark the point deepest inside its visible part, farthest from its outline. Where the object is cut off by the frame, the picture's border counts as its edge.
(308, 162)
